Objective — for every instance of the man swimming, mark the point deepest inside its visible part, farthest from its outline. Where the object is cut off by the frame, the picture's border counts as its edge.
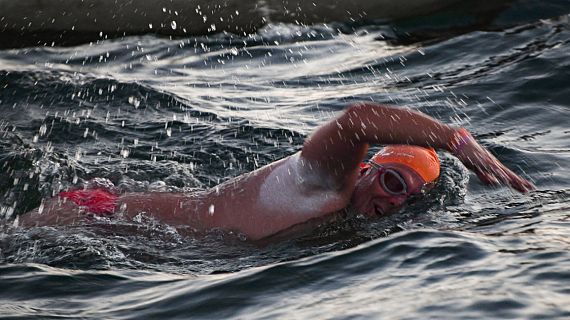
(325, 177)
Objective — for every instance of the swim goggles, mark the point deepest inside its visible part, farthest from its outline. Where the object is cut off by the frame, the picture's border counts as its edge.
(391, 180)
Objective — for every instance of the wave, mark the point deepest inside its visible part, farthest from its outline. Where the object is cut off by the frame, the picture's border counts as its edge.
(24, 23)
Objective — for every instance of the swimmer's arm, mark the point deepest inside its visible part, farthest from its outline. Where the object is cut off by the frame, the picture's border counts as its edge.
(338, 147)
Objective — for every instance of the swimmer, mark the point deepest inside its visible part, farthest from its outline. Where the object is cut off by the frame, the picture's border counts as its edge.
(326, 177)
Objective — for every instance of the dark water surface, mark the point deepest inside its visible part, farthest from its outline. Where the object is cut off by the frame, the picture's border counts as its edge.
(150, 113)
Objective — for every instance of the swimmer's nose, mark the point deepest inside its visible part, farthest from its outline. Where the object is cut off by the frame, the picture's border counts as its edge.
(397, 201)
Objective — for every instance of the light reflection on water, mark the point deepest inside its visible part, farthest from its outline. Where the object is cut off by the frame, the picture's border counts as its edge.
(465, 251)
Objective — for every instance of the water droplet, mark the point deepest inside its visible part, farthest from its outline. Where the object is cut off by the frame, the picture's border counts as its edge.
(173, 25)
(9, 212)
(134, 101)
(43, 129)
(124, 153)
(211, 210)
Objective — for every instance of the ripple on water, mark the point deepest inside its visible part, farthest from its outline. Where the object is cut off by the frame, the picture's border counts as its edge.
(149, 113)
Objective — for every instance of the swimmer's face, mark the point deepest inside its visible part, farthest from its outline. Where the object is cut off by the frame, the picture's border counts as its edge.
(381, 190)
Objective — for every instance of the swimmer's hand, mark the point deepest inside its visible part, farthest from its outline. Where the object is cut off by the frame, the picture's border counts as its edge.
(488, 168)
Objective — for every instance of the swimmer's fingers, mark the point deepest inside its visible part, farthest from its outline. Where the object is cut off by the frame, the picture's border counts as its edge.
(518, 183)
(487, 178)
(496, 173)
(489, 169)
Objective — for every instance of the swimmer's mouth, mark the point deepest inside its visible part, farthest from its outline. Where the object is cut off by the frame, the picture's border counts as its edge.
(379, 211)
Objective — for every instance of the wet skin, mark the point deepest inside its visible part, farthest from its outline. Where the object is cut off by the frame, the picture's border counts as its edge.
(370, 197)
(317, 182)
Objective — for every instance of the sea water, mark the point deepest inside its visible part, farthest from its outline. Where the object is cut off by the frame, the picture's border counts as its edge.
(179, 114)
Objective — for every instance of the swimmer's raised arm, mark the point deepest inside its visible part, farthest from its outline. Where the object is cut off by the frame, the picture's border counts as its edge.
(338, 147)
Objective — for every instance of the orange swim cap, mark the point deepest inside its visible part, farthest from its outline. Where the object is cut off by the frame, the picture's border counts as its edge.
(422, 160)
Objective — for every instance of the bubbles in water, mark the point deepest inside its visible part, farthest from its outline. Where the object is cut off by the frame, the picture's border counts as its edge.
(157, 186)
